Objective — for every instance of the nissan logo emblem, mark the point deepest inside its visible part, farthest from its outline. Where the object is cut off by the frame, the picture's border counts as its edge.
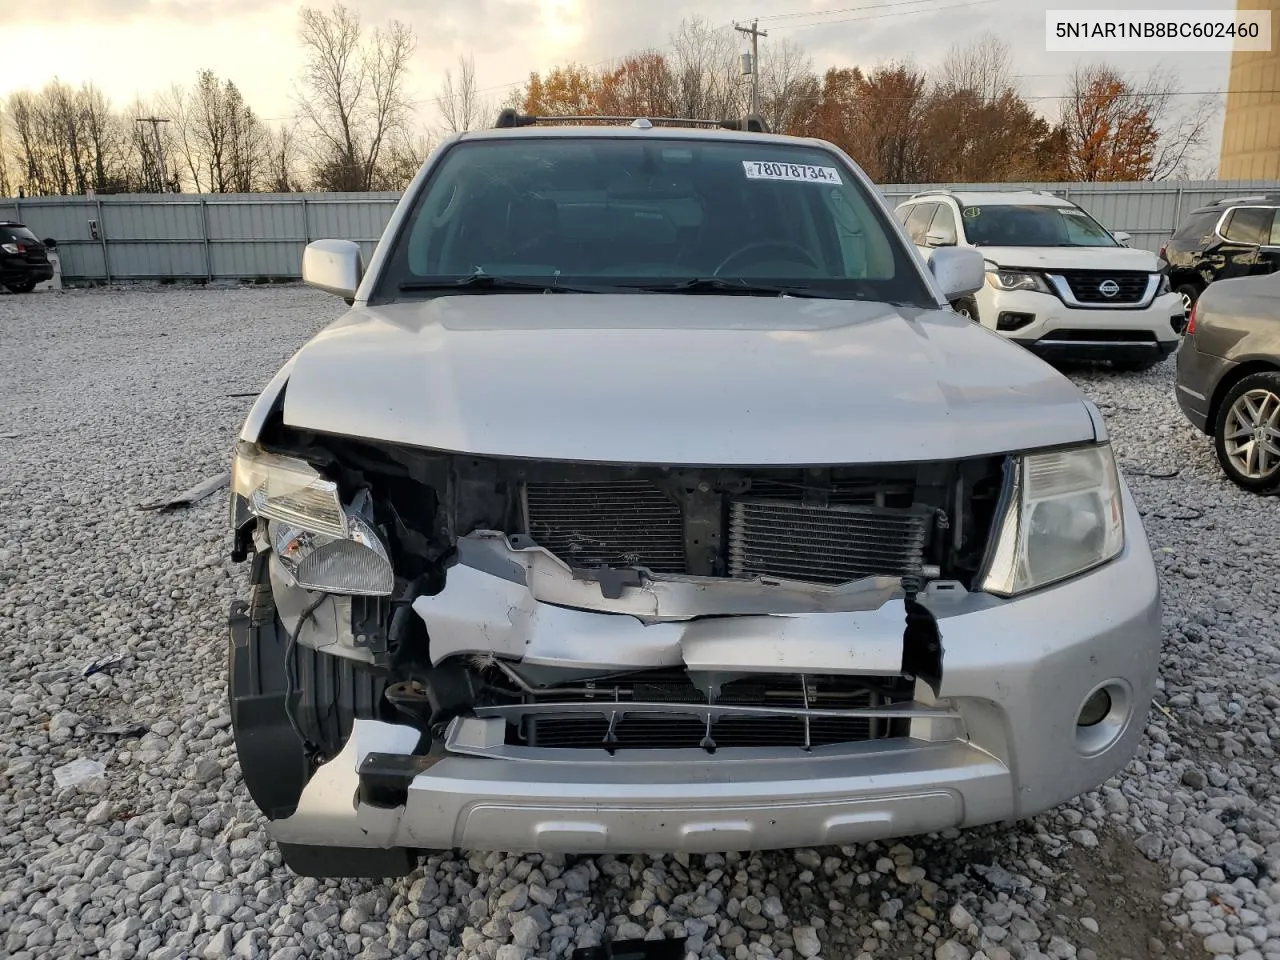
(1108, 288)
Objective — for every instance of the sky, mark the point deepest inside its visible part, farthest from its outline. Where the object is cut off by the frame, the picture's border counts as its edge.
(140, 47)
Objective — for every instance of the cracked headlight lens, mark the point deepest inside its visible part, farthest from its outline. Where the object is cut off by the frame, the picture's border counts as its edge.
(357, 564)
(1064, 518)
(286, 489)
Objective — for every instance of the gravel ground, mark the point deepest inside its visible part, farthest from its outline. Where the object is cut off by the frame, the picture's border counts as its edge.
(112, 398)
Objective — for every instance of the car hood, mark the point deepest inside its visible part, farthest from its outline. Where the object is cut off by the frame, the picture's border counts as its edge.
(1072, 258)
(692, 379)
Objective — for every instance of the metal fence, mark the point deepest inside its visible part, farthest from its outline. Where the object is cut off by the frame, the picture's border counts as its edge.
(261, 236)
(195, 237)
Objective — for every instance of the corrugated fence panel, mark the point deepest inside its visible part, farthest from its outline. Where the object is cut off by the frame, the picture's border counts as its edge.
(257, 220)
(248, 236)
(349, 219)
(140, 259)
(255, 258)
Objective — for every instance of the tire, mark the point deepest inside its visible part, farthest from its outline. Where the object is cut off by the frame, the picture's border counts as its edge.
(25, 287)
(1237, 434)
(329, 694)
(1188, 294)
(966, 307)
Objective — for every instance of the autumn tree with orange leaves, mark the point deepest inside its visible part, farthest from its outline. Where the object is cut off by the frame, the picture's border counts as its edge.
(1108, 128)
(964, 123)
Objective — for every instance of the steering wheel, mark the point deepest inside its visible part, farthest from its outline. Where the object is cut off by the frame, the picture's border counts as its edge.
(783, 246)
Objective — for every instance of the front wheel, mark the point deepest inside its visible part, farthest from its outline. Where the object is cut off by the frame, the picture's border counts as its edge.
(25, 287)
(1246, 433)
(1188, 294)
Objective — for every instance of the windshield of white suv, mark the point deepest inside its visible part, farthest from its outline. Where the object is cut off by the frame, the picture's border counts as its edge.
(1033, 225)
(606, 214)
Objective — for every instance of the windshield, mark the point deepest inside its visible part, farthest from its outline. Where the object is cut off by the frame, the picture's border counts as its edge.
(620, 214)
(1030, 225)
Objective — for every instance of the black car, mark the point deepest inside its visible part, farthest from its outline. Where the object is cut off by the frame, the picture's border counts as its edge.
(24, 261)
(1230, 238)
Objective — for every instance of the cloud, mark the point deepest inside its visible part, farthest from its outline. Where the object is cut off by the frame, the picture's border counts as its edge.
(73, 12)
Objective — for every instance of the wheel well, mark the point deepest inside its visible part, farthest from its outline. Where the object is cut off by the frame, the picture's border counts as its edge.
(1181, 278)
(1229, 381)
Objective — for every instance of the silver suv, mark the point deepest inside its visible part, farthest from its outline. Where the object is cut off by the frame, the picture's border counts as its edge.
(649, 497)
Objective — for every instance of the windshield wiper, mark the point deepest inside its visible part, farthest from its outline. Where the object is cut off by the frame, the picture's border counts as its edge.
(726, 285)
(484, 281)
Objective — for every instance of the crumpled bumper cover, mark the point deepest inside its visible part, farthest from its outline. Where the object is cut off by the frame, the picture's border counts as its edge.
(1015, 675)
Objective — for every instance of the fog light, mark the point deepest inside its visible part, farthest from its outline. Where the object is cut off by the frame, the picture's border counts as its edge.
(1095, 709)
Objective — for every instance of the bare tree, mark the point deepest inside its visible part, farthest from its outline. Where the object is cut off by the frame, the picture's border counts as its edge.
(787, 84)
(708, 79)
(461, 105)
(182, 149)
(407, 154)
(983, 65)
(282, 151)
(68, 141)
(6, 184)
(1183, 127)
(355, 94)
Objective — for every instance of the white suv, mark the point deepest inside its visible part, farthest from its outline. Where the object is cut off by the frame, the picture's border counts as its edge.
(1058, 282)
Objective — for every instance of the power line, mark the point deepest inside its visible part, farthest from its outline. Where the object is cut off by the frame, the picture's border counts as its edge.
(822, 13)
(881, 16)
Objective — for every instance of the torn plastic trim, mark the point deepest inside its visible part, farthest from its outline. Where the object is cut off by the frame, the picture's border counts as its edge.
(642, 593)
(481, 613)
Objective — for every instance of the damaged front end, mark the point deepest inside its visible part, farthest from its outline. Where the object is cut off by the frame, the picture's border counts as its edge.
(517, 608)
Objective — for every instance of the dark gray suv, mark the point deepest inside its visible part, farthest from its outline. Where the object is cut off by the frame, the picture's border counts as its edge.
(1228, 381)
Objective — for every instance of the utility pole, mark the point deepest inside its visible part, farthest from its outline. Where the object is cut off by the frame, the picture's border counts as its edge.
(755, 33)
(162, 169)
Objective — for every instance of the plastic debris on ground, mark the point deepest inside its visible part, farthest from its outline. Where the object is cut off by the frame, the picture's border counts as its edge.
(194, 495)
(78, 771)
(104, 664)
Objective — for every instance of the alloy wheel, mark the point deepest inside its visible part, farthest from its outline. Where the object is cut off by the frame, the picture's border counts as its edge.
(1251, 434)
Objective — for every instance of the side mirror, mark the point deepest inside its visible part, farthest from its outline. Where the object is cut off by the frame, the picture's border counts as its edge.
(51, 243)
(939, 240)
(959, 271)
(334, 266)
(1122, 238)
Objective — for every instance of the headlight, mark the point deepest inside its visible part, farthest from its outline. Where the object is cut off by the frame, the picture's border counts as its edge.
(1016, 280)
(1165, 285)
(285, 489)
(356, 565)
(1063, 518)
(9, 247)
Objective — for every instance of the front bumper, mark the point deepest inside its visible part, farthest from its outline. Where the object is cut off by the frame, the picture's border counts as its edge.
(1015, 674)
(1052, 329)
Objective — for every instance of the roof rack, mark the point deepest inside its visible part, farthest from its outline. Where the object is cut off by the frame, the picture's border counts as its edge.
(512, 118)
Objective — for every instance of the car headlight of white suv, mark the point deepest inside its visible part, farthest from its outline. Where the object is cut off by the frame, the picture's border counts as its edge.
(1016, 280)
(324, 545)
(1064, 516)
